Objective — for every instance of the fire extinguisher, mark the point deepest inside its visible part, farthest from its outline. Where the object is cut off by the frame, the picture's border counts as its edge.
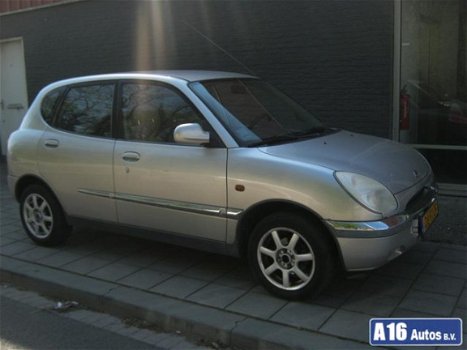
(404, 117)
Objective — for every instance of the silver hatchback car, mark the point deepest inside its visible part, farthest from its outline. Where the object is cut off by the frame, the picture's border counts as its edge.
(222, 162)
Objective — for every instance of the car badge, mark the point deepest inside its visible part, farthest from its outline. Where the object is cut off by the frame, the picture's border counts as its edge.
(415, 173)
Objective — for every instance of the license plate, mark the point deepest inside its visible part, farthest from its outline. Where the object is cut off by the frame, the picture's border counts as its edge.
(425, 221)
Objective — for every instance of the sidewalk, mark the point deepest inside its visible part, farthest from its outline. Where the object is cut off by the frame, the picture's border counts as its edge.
(212, 296)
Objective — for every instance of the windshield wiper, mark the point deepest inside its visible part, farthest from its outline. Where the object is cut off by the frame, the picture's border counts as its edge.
(314, 131)
(273, 140)
(293, 136)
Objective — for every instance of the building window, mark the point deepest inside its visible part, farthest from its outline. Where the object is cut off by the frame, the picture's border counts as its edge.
(433, 96)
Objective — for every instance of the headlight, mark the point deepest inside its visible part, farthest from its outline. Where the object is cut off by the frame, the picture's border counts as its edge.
(368, 192)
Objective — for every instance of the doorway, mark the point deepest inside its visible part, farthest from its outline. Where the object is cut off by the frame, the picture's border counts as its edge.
(13, 90)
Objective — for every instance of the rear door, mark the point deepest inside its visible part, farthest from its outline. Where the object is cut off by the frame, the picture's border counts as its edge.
(159, 184)
(76, 152)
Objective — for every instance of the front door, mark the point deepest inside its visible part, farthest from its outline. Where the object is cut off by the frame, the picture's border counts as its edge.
(13, 93)
(159, 184)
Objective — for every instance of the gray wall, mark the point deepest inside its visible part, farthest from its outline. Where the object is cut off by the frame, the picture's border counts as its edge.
(335, 57)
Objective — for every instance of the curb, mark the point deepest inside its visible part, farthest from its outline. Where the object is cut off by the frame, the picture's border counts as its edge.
(193, 320)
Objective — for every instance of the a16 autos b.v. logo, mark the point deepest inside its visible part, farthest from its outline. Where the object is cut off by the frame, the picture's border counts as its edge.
(416, 331)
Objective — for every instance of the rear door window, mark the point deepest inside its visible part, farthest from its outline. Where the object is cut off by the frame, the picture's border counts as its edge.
(87, 110)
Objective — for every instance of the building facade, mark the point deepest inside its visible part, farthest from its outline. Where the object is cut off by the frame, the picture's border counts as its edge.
(394, 69)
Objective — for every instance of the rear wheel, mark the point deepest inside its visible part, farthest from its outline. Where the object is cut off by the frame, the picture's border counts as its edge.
(42, 216)
(291, 255)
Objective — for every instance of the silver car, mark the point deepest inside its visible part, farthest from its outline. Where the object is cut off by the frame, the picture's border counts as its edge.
(221, 162)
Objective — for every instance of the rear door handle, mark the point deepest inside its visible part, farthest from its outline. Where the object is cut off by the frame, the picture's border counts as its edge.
(51, 143)
(130, 156)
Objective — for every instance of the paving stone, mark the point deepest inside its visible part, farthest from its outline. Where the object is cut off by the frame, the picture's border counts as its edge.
(4, 241)
(374, 304)
(17, 248)
(447, 269)
(426, 246)
(234, 282)
(216, 295)
(307, 316)
(258, 334)
(260, 289)
(36, 253)
(139, 259)
(179, 286)
(345, 285)
(81, 249)
(106, 255)
(331, 301)
(113, 272)
(142, 334)
(186, 345)
(439, 284)
(7, 229)
(436, 304)
(348, 324)
(85, 265)
(401, 270)
(78, 315)
(454, 246)
(257, 305)
(403, 313)
(385, 285)
(414, 256)
(462, 314)
(172, 265)
(170, 341)
(59, 258)
(155, 338)
(145, 278)
(463, 300)
(452, 255)
(206, 271)
(18, 234)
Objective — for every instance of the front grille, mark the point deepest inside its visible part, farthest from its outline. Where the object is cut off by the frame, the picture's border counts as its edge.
(421, 199)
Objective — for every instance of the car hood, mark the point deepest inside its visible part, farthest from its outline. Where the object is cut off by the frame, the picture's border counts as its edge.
(396, 166)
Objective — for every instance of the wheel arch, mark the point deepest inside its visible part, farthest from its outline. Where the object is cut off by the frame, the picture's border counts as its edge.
(28, 180)
(250, 218)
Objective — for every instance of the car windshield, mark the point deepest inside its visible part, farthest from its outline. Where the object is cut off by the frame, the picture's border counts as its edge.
(255, 113)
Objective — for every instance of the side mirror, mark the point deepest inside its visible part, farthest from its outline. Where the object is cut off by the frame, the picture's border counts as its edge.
(191, 134)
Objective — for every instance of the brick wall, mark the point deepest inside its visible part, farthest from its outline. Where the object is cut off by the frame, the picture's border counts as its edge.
(335, 57)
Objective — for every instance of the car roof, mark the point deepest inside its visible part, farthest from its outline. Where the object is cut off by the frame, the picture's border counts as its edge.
(196, 75)
(185, 75)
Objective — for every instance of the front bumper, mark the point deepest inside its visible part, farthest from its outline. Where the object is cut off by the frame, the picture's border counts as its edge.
(369, 245)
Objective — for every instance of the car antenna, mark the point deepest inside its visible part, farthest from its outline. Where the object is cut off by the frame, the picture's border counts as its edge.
(219, 47)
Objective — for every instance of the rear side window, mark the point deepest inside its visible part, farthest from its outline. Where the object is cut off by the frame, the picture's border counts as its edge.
(49, 103)
(87, 110)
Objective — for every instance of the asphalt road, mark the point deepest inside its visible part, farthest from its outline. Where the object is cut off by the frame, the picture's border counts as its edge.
(26, 327)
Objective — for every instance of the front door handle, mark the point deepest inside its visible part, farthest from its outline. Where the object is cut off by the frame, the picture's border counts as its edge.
(130, 156)
(51, 143)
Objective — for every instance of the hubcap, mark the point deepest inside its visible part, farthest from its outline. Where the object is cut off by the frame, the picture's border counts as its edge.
(37, 215)
(286, 259)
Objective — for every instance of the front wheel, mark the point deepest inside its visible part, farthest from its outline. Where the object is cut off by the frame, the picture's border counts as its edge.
(291, 255)
(42, 216)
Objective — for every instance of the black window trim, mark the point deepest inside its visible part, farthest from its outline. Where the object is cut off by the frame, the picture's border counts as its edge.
(57, 104)
(118, 125)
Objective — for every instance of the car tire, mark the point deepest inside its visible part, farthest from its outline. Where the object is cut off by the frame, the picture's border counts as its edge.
(291, 255)
(42, 216)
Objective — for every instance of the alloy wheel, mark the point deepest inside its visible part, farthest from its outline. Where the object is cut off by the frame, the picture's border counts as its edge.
(286, 258)
(37, 215)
